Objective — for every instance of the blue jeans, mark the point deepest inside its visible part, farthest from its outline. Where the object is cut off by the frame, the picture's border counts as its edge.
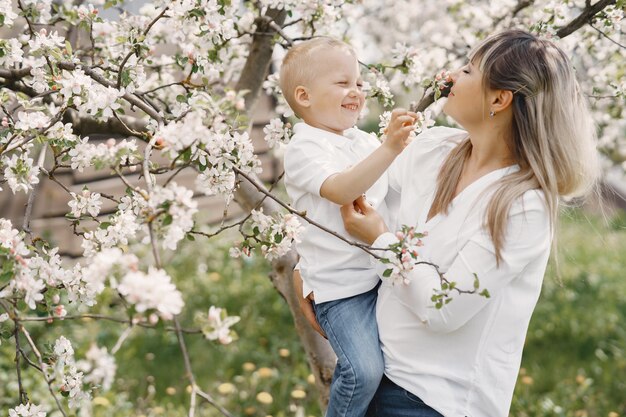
(393, 401)
(350, 324)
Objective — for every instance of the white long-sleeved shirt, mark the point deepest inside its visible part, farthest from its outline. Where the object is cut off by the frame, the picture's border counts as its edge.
(331, 268)
(463, 359)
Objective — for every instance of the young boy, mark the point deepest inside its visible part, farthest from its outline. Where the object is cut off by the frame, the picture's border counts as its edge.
(329, 163)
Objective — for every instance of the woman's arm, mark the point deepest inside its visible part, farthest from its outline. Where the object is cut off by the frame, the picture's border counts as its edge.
(528, 237)
(362, 221)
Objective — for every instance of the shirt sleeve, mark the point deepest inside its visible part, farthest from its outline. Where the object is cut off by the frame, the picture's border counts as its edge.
(528, 237)
(308, 163)
(425, 148)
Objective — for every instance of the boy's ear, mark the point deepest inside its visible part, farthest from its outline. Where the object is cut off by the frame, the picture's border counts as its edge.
(301, 95)
(500, 100)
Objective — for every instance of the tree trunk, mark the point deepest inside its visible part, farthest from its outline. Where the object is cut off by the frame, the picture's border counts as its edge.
(320, 355)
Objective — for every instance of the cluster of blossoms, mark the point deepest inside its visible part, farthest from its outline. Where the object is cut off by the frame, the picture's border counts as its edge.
(27, 410)
(92, 98)
(109, 154)
(11, 52)
(422, 123)
(225, 151)
(612, 17)
(98, 369)
(277, 132)
(313, 13)
(153, 290)
(216, 325)
(107, 265)
(20, 172)
(85, 202)
(403, 255)
(378, 87)
(118, 230)
(174, 208)
(273, 235)
(7, 15)
(408, 61)
(66, 371)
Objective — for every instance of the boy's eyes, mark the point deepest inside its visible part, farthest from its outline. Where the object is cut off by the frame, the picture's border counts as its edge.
(346, 83)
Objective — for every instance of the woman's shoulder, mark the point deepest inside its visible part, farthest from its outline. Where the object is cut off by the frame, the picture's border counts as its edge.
(438, 138)
(531, 200)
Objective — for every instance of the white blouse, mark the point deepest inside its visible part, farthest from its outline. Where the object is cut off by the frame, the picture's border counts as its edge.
(463, 359)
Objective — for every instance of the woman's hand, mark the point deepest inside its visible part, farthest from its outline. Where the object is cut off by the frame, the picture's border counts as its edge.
(362, 221)
(305, 304)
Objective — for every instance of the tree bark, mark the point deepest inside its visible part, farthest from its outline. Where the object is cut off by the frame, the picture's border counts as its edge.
(320, 355)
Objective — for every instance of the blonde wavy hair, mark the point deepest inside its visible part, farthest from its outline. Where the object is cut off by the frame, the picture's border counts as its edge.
(553, 137)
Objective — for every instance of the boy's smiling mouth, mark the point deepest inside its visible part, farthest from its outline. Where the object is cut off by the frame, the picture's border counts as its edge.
(350, 106)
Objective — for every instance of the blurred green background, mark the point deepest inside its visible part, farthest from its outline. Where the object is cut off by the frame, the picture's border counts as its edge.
(574, 361)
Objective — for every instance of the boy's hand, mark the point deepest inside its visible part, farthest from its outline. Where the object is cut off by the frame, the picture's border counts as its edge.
(399, 130)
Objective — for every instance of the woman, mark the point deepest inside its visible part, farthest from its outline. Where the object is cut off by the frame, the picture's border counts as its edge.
(488, 197)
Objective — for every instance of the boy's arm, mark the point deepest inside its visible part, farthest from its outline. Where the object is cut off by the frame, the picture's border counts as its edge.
(346, 186)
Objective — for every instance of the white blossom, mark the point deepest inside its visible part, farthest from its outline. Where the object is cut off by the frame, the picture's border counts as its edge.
(277, 132)
(31, 120)
(6, 12)
(152, 291)
(44, 43)
(72, 384)
(85, 202)
(218, 325)
(27, 410)
(98, 366)
(12, 52)
(63, 350)
(20, 173)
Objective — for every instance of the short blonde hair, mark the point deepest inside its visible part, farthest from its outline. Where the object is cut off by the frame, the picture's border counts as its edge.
(298, 66)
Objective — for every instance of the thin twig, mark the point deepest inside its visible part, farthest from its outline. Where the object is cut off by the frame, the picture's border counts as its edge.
(607, 36)
(43, 367)
(262, 189)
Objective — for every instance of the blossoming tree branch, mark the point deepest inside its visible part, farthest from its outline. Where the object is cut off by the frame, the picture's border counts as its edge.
(177, 81)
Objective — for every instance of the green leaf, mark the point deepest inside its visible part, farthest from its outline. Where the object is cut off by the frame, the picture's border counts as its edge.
(68, 46)
(168, 220)
(387, 273)
(190, 237)
(104, 225)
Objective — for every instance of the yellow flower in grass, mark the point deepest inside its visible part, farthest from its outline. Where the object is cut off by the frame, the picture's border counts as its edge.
(310, 379)
(284, 353)
(265, 372)
(248, 366)
(298, 394)
(264, 397)
(226, 388)
(103, 401)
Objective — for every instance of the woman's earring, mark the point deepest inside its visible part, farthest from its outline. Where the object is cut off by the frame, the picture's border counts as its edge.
(492, 113)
